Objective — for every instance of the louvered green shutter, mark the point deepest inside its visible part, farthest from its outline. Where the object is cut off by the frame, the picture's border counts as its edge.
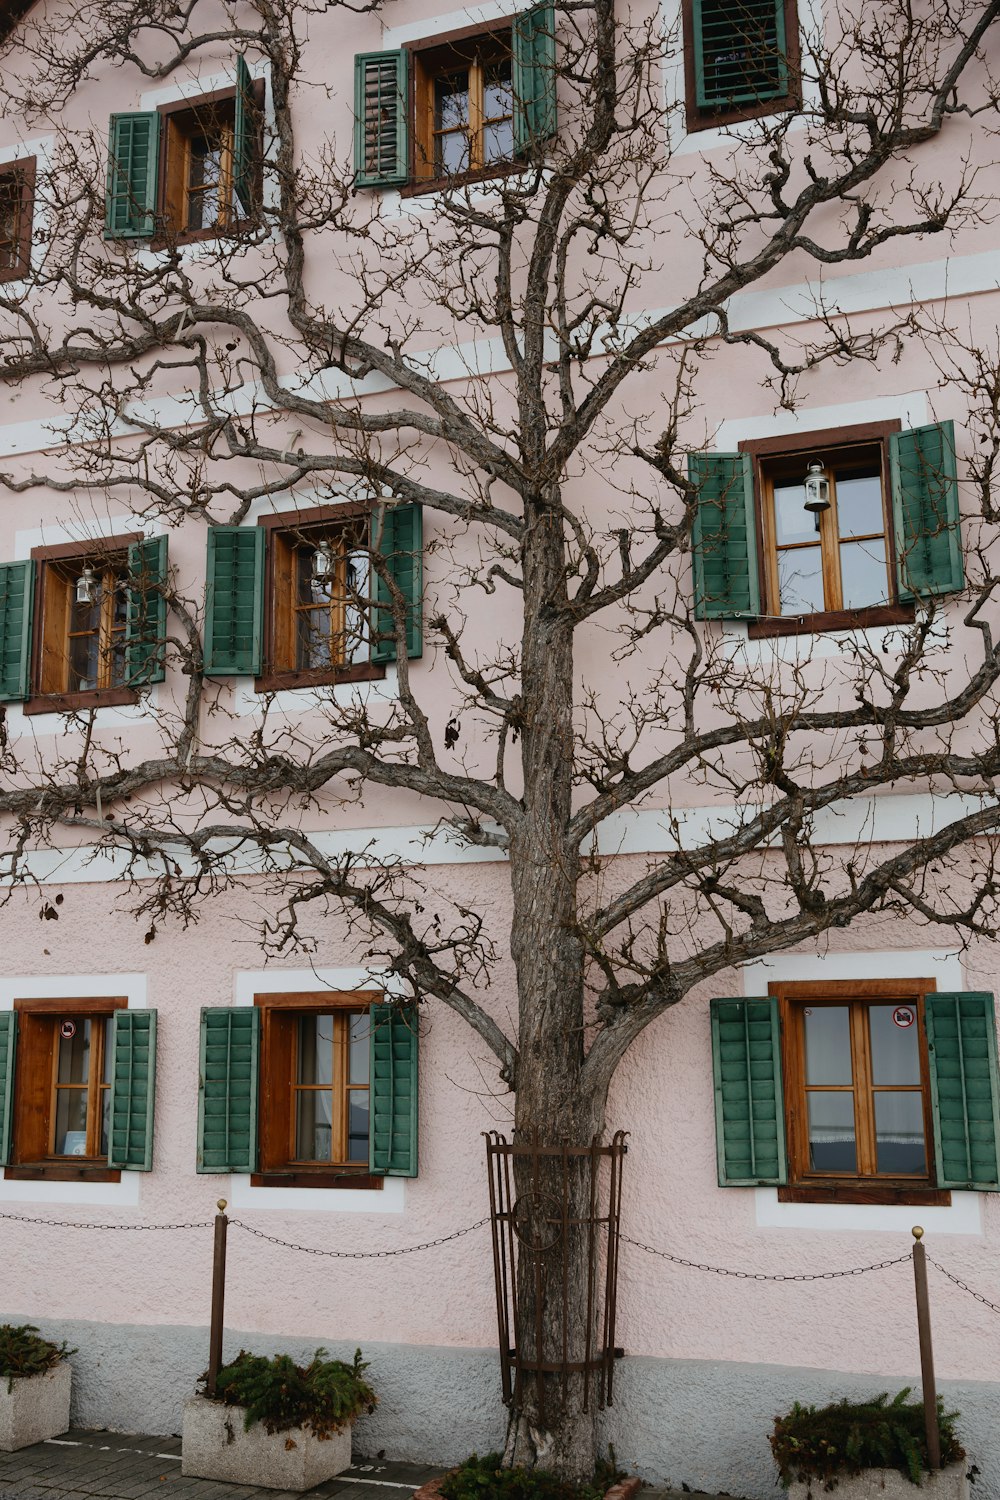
(749, 1108)
(381, 103)
(17, 591)
(146, 611)
(392, 1080)
(925, 511)
(246, 135)
(398, 536)
(724, 537)
(133, 1088)
(133, 166)
(8, 1047)
(234, 609)
(534, 74)
(965, 1089)
(740, 52)
(227, 1089)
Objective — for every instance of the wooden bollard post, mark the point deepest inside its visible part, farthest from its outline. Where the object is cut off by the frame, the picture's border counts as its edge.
(926, 1351)
(218, 1297)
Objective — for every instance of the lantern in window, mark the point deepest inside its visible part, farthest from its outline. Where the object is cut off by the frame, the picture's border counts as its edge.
(817, 489)
(324, 563)
(85, 585)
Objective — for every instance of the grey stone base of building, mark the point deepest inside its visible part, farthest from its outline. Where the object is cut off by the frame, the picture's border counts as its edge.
(676, 1422)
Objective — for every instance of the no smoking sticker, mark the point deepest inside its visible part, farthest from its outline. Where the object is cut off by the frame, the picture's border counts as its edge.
(68, 1029)
(903, 1016)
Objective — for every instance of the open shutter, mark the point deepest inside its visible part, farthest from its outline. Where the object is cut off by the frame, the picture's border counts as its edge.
(724, 537)
(246, 140)
(234, 608)
(749, 1106)
(397, 536)
(381, 138)
(533, 41)
(146, 616)
(8, 1046)
(925, 511)
(133, 164)
(133, 1085)
(17, 590)
(965, 1090)
(740, 52)
(392, 1080)
(227, 1089)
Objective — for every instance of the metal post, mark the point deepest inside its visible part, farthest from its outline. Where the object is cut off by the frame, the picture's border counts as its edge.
(926, 1352)
(218, 1297)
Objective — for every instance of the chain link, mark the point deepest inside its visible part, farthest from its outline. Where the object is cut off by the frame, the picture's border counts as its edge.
(84, 1224)
(273, 1239)
(978, 1295)
(696, 1265)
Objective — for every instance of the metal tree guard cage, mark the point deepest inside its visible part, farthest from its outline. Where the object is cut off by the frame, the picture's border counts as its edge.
(534, 1224)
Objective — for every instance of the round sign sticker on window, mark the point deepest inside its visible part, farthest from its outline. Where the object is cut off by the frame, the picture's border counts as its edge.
(903, 1016)
(68, 1030)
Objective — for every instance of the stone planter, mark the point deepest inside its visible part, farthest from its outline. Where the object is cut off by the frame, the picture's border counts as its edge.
(625, 1489)
(36, 1408)
(216, 1445)
(889, 1484)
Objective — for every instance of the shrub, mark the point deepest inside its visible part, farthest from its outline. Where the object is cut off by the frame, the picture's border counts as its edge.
(23, 1352)
(324, 1395)
(486, 1479)
(827, 1442)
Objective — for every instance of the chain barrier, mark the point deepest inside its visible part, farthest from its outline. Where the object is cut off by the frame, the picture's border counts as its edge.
(697, 1265)
(978, 1295)
(273, 1239)
(84, 1224)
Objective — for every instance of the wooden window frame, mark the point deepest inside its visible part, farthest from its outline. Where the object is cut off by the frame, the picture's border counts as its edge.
(705, 119)
(276, 1087)
(33, 1113)
(278, 583)
(805, 1185)
(171, 196)
(22, 171)
(50, 625)
(763, 452)
(12, 11)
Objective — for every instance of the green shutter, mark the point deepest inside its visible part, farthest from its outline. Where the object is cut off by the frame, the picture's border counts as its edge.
(146, 611)
(533, 42)
(740, 52)
(965, 1090)
(925, 511)
(234, 607)
(397, 534)
(392, 1080)
(17, 591)
(133, 166)
(246, 138)
(227, 1089)
(133, 1088)
(8, 1047)
(381, 103)
(724, 537)
(749, 1108)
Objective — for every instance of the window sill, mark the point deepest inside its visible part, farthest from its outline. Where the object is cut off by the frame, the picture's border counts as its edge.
(49, 1172)
(885, 1193)
(463, 179)
(167, 238)
(276, 682)
(831, 619)
(312, 1178)
(704, 119)
(62, 703)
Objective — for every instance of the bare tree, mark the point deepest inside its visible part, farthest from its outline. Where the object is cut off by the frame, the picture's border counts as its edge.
(584, 301)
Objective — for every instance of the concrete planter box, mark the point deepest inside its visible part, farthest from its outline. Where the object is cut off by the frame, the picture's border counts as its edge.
(36, 1408)
(889, 1484)
(216, 1445)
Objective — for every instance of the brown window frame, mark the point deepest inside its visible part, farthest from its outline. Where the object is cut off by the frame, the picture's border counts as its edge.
(50, 625)
(276, 1121)
(178, 122)
(33, 1157)
(21, 173)
(766, 453)
(804, 1184)
(704, 119)
(281, 531)
(12, 11)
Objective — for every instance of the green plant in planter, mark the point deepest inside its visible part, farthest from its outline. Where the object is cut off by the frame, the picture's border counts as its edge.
(23, 1352)
(486, 1479)
(323, 1395)
(827, 1443)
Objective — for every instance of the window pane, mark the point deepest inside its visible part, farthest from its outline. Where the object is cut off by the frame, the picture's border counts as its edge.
(859, 502)
(314, 648)
(360, 1034)
(357, 1126)
(315, 1051)
(451, 101)
(355, 619)
(792, 522)
(74, 1054)
(800, 581)
(105, 1119)
(71, 1122)
(498, 142)
(899, 1133)
(204, 180)
(895, 1047)
(313, 1125)
(832, 1147)
(452, 153)
(498, 90)
(863, 573)
(828, 1044)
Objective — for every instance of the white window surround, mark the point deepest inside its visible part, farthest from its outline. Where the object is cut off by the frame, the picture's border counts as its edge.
(40, 148)
(123, 1194)
(965, 1214)
(391, 1199)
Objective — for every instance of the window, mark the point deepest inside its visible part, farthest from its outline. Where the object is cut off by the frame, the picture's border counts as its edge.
(309, 1089)
(199, 147)
(319, 589)
(470, 105)
(741, 60)
(77, 1076)
(17, 182)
